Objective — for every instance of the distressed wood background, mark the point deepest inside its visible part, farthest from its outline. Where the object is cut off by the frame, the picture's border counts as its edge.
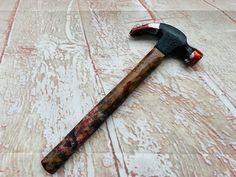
(59, 58)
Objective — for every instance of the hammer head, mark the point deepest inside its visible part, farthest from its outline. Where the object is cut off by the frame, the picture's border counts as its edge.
(170, 41)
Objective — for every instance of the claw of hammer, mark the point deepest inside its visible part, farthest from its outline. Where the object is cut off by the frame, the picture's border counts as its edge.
(150, 28)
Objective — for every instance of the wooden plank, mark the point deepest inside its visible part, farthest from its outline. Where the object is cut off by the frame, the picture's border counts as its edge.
(8, 13)
(42, 102)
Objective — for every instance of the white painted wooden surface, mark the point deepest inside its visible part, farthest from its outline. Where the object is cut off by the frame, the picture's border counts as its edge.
(59, 58)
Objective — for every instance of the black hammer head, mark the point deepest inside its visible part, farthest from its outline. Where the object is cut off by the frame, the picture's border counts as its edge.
(170, 41)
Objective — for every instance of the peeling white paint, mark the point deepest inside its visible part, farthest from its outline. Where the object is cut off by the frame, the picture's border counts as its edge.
(148, 164)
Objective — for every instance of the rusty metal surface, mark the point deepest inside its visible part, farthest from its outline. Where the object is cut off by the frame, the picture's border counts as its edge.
(60, 58)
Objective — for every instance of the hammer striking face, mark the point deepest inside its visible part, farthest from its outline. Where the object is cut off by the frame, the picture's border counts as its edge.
(171, 41)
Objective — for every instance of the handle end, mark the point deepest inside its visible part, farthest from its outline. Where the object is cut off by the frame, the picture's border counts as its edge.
(52, 162)
(59, 155)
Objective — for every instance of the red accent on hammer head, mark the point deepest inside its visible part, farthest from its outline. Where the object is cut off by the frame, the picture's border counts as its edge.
(197, 55)
(139, 30)
(150, 28)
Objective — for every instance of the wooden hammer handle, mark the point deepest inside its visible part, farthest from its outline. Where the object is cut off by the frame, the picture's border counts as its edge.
(92, 121)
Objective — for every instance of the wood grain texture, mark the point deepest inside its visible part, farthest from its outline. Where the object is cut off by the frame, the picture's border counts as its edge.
(59, 59)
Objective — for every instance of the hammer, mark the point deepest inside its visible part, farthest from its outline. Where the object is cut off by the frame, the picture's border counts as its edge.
(171, 41)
